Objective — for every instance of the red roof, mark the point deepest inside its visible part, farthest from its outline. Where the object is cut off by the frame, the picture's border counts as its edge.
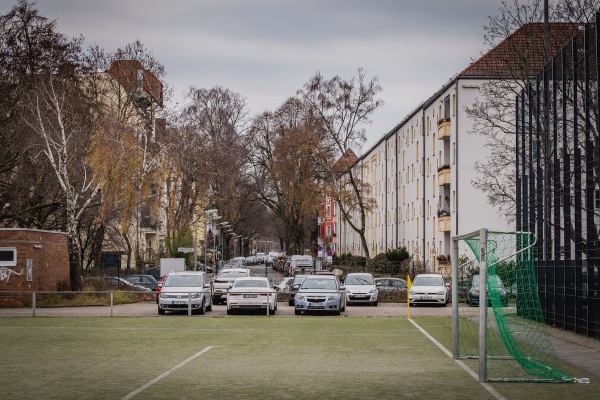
(523, 50)
(345, 162)
(126, 72)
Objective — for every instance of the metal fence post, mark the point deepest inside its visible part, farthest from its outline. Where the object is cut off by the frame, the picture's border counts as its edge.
(33, 304)
(482, 306)
(111, 303)
(189, 303)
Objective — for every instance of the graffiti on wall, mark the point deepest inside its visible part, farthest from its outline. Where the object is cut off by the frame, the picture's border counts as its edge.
(5, 274)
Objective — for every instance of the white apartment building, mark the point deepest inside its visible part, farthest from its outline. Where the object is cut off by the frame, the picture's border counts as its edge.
(421, 172)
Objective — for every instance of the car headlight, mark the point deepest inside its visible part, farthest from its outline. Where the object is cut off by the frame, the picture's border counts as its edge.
(372, 290)
(163, 296)
(332, 297)
(300, 297)
(441, 292)
(196, 295)
(412, 292)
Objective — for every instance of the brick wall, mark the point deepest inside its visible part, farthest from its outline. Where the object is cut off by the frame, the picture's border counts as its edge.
(50, 259)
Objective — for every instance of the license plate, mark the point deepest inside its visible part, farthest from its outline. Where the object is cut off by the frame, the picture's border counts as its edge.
(427, 297)
(249, 296)
(179, 302)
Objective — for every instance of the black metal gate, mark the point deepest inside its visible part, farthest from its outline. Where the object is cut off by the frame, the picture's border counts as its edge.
(558, 182)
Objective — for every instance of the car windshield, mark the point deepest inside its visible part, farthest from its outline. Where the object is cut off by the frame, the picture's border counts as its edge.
(184, 280)
(299, 279)
(247, 283)
(328, 284)
(428, 281)
(495, 277)
(359, 280)
(233, 274)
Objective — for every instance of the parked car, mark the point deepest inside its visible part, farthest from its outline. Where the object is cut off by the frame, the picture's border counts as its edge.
(428, 289)
(225, 280)
(284, 285)
(201, 267)
(320, 293)
(238, 262)
(360, 288)
(261, 258)
(390, 284)
(251, 260)
(298, 279)
(493, 280)
(147, 281)
(272, 259)
(251, 293)
(159, 286)
(184, 287)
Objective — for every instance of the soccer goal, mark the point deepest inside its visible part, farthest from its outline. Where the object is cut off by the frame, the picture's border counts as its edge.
(497, 319)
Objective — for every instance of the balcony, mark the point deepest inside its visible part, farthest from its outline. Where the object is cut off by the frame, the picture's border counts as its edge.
(443, 128)
(444, 223)
(444, 175)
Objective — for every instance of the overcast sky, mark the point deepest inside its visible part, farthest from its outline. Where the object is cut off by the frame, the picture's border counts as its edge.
(267, 49)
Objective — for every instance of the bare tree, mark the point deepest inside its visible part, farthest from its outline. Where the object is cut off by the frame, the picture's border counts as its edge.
(287, 159)
(218, 119)
(29, 46)
(493, 113)
(59, 114)
(345, 107)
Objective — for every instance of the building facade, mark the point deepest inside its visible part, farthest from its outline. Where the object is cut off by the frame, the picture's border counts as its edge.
(421, 173)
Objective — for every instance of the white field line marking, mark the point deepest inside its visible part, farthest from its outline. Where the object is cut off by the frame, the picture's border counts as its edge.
(464, 366)
(165, 374)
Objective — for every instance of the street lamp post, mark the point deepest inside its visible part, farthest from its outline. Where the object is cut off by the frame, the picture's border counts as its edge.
(208, 213)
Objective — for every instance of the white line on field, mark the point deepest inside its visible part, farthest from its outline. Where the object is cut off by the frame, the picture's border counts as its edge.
(468, 370)
(165, 374)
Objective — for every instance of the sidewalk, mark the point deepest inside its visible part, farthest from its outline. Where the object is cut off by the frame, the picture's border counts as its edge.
(579, 351)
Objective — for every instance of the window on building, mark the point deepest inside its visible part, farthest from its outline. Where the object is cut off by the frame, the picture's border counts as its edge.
(453, 153)
(447, 107)
(8, 256)
(328, 211)
(453, 105)
(328, 230)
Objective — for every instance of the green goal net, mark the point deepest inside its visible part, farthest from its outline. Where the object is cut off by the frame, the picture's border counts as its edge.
(517, 343)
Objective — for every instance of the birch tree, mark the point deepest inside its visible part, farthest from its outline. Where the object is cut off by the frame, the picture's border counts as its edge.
(57, 113)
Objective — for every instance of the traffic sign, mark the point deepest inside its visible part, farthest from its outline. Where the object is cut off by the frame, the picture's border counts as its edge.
(185, 249)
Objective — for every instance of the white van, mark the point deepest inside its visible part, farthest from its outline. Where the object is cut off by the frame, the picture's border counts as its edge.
(301, 264)
(272, 257)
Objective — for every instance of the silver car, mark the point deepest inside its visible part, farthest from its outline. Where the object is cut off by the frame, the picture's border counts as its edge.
(320, 293)
(185, 287)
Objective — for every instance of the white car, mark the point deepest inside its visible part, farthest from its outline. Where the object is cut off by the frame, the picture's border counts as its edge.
(225, 280)
(185, 287)
(261, 258)
(284, 285)
(360, 288)
(251, 293)
(428, 289)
